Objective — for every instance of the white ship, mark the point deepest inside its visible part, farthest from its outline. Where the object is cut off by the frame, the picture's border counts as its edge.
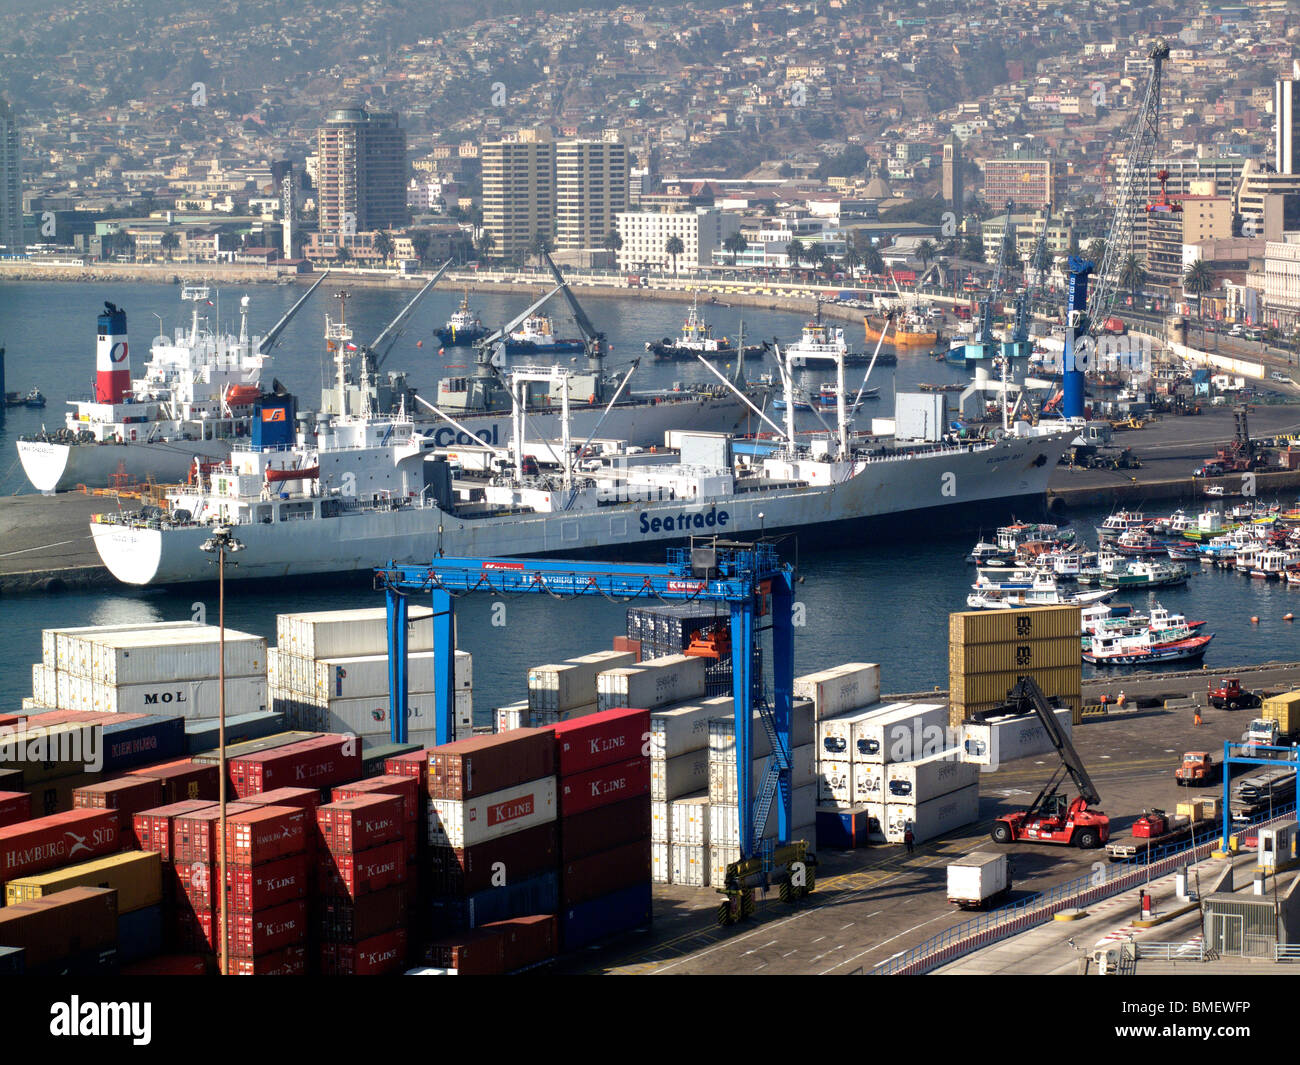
(365, 489)
(194, 400)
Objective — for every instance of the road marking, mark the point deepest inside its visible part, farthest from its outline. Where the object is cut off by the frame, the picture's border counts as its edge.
(43, 547)
(889, 940)
(819, 939)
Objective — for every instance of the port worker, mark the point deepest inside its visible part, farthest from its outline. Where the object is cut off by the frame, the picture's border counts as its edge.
(1103, 702)
(1120, 700)
(908, 838)
(1196, 715)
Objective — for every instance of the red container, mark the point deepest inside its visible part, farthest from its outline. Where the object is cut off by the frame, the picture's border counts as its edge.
(622, 643)
(412, 764)
(344, 920)
(603, 828)
(604, 786)
(353, 875)
(299, 798)
(263, 887)
(352, 825)
(194, 836)
(465, 870)
(264, 834)
(57, 840)
(10, 720)
(527, 940)
(477, 953)
(480, 765)
(183, 780)
(254, 934)
(390, 784)
(127, 795)
(384, 953)
(169, 965)
(317, 763)
(604, 873)
(15, 806)
(287, 961)
(196, 884)
(587, 743)
(153, 828)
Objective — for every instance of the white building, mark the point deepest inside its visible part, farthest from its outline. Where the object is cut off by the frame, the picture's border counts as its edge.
(646, 234)
(1282, 279)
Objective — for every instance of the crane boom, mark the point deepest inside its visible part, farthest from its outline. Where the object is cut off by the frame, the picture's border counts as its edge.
(1027, 692)
(273, 334)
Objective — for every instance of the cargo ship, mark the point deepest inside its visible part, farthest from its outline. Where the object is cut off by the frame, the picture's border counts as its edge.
(363, 489)
(194, 399)
(910, 330)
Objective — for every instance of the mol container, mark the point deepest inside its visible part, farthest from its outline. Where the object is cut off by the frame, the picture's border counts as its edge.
(840, 689)
(933, 818)
(466, 822)
(324, 634)
(200, 698)
(1003, 740)
(912, 731)
(978, 880)
(654, 683)
(363, 677)
(600, 739)
(928, 778)
(192, 653)
(481, 765)
(69, 650)
(675, 777)
(571, 684)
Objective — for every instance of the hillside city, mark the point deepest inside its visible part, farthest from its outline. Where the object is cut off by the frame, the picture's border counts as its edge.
(839, 138)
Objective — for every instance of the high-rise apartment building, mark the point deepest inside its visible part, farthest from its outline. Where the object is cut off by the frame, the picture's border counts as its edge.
(361, 171)
(1286, 119)
(591, 187)
(518, 193)
(1027, 179)
(11, 181)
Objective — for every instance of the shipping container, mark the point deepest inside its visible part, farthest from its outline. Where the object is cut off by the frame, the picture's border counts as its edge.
(622, 643)
(127, 795)
(254, 934)
(357, 824)
(136, 876)
(55, 796)
(722, 731)
(721, 855)
(840, 689)
(287, 961)
(377, 956)
(307, 799)
(566, 685)
(61, 926)
(988, 687)
(170, 965)
(366, 676)
(534, 894)
(194, 836)
(683, 775)
(724, 823)
(371, 716)
(678, 730)
(405, 788)
(661, 825)
(262, 887)
(661, 863)
(690, 865)
(912, 731)
(319, 763)
(602, 827)
(412, 764)
(182, 780)
(513, 716)
(1021, 655)
(835, 783)
(603, 918)
(978, 879)
(600, 739)
(606, 871)
(928, 778)
(840, 739)
(145, 657)
(480, 765)
(1285, 710)
(343, 633)
(154, 828)
(201, 736)
(995, 743)
(362, 872)
(868, 783)
(476, 953)
(1007, 626)
(139, 934)
(527, 940)
(267, 833)
(654, 683)
(690, 820)
(604, 786)
(842, 829)
(69, 649)
(13, 961)
(346, 920)
(255, 745)
(468, 870)
(15, 806)
(373, 758)
(933, 818)
(466, 822)
(195, 699)
(50, 842)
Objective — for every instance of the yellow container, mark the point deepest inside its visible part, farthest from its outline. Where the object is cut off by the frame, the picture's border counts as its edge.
(136, 876)
(1051, 652)
(1285, 710)
(1065, 681)
(1004, 626)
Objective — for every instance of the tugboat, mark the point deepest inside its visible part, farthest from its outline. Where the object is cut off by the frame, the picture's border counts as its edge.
(697, 339)
(463, 328)
(537, 337)
(34, 400)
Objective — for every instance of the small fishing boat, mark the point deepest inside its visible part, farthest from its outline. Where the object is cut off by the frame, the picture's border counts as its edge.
(1145, 573)
(1141, 650)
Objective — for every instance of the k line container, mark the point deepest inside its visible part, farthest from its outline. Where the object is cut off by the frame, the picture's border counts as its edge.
(1021, 655)
(690, 865)
(379, 955)
(905, 734)
(49, 842)
(842, 688)
(192, 653)
(600, 739)
(690, 820)
(607, 871)
(350, 633)
(254, 934)
(683, 775)
(262, 887)
(605, 917)
(928, 778)
(604, 827)
(362, 872)
(482, 765)
(652, 684)
(604, 786)
(287, 961)
(318, 763)
(61, 926)
(933, 818)
(307, 799)
(468, 870)
(345, 920)
(1006, 739)
(136, 876)
(407, 789)
(972, 627)
(349, 825)
(466, 822)
(153, 828)
(566, 685)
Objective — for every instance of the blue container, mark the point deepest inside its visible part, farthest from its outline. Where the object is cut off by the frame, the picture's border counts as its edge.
(139, 934)
(842, 830)
(142, 741)
(459, 913)
(13, 961)
(202, 735)
(589, 922)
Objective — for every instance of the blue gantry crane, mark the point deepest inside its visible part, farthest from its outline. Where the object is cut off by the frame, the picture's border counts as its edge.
(749, 577)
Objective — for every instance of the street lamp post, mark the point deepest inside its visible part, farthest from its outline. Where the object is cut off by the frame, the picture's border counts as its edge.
(221, 543)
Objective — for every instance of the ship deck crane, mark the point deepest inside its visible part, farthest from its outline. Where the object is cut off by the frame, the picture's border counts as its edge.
(986, 305)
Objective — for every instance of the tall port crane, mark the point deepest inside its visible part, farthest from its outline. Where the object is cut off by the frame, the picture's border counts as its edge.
(986, 305)
(1088, 310)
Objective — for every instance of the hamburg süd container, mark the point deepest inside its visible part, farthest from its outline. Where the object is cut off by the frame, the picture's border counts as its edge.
(600, 739)
(349, 633)
(194, 835)
(840, 689)
(265, 834)
(604, 786)
(50, 842)
(932, 818)
(482, 765)
(407, 789)
(466, 822)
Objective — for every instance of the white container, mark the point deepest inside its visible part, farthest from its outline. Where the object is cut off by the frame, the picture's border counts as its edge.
(722, 733)
(661, 822)
(876, 822)
(910, 732)
(512, 717)
(1006, 739)
(661, 863)
(928, 778)
(838, 738)
(868, 783)
(690, 820)
(652, 684)
(62, 648)
(674, 777)
(724, 818)
(189, 654)
(350, 633)
(977, 879)
(690, 865)
(45, 684)
(721, 855)
(363, 716)
(185, 698)
(466, 822)
(835, 784)
(365, 677)
(72, 692)
(676, 730)
(838, 690)
(933, 818)
(803, 766)
(565, 685)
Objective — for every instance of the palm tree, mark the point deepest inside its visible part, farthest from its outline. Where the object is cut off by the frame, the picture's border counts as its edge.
(384, 245)
(342, 255)
(674, 247)
(1133, 275)
(1199, 279)
(852, 259)
(420, 241)
(872, 261)
(169, 243)
(1096, 251)
(541, 245)
(926, 252)
(613, 241)
(736, 244)
(486, 243)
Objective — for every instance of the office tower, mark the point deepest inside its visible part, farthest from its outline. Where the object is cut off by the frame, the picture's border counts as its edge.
(361, 171)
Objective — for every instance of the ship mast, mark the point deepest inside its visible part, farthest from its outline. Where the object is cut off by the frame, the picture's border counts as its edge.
(337, 336)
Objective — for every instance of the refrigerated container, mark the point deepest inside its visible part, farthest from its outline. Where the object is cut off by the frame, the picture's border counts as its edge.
(674, 777)
(570, 684)
(722, 731)
(350, 633)
(653, 683)
(933, 818)
(1003, 740)
(840, 689)
(928, 778)
(199, 698)
(978, 880)
(676, 730)
(840, 739)
(690, 865)
(912, 731)
(465, 822)
(690, 820)
(190, 653)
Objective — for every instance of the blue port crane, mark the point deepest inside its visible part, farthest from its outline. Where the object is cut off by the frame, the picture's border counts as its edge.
(749, 578)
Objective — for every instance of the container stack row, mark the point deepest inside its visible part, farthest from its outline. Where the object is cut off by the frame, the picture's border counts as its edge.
(670, 630)
(330, 672)
(566, 690)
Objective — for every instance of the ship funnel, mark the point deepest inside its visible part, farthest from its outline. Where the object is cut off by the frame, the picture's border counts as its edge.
(112, 356)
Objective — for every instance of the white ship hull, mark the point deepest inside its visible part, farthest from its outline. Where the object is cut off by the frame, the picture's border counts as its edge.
(58, 467)
(938, 489)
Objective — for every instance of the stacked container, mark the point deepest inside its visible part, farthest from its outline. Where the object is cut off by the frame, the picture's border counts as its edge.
(320, 762)
(68, 933)
(155, 831)
(491, 830)
(669, 630)
(604, 830)
(329, 673)
(563, 690)
(654, 683)
(679, 736)
(930, 795)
